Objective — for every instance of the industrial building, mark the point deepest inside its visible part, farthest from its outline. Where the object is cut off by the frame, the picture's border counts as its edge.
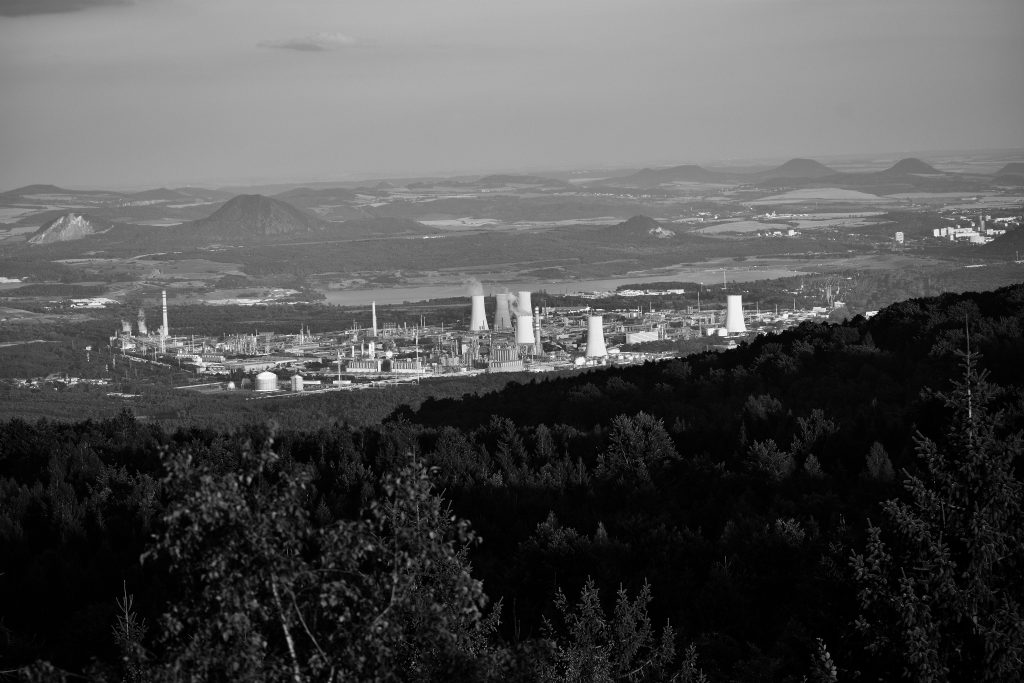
(523, 338)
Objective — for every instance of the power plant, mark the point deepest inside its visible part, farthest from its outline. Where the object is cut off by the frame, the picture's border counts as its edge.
(523, 339)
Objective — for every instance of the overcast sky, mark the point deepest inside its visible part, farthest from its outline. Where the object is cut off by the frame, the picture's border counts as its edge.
(124, 93)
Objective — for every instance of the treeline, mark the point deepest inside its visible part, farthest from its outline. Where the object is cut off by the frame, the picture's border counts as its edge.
(706, 517)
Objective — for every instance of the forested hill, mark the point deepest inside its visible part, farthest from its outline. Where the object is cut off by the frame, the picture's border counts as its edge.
(840, 502)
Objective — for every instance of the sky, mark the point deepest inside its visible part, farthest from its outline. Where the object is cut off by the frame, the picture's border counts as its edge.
(148, 93)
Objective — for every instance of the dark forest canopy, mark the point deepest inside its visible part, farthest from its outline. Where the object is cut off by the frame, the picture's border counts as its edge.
(739, 516)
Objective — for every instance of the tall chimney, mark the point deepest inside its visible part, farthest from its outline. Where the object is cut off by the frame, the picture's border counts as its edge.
(165, 331)
(373, 315)
(595, 337)
(478, 318)
(538, 346)
(734, 323)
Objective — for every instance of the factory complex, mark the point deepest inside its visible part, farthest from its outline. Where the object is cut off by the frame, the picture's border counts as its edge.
(504, 333)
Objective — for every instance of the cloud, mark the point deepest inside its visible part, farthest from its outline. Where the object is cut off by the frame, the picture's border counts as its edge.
(20, 8)
(317, 42)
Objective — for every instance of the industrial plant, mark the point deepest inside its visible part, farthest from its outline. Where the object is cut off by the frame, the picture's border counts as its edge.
(522, 338)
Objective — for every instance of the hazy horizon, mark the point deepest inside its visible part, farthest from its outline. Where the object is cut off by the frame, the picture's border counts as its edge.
(114, 93)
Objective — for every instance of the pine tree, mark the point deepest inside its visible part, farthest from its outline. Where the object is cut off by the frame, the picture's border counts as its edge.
(940, 585)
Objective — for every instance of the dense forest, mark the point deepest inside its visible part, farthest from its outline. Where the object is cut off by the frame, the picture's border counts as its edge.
(840, 502)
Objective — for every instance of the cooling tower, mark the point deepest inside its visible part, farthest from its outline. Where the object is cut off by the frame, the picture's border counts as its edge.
(523, 305)
(595, 337)
(734, 315)
(126, 327)
(165, 331)
(478, 319)
(524, 327)
(142, 323)
(503, 313)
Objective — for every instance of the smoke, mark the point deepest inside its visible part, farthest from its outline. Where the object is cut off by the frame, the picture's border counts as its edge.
(474, 287)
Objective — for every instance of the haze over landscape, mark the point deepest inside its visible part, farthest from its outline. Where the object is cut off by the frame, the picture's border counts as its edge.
(134, 94)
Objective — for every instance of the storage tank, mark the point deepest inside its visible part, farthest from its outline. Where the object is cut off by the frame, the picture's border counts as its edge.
(734, 323)
(297, 382)
(266, 381)
(478, 319)
(595, 337)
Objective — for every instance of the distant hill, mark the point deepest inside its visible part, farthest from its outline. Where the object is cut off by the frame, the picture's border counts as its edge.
(70, 226)
(652, 177)
(798, 168)
(910, 165)
(35, 189)
(204, 193)
(306, 195)
(253, 215)
(30, 190)
(1012, 168)
(500, 180)
(160, 194)
(1009, 179)
(643, 226)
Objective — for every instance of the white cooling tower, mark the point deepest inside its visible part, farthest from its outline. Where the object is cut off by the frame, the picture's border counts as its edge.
(503, 312)
(524, 328)
(478, 318)
(595, 337)
(734, 315)
(523, 305)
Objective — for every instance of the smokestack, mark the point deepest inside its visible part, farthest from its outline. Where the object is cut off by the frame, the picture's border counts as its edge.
(538, 347)
(373, 315)
(478, 319)
(165, 331)
(503, 313)
(734, 315)
(595, 337)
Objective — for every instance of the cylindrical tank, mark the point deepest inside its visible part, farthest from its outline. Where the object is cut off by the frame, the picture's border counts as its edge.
(524, 329)
(734, 323)
(595, 337)
(297, 382)
(478, 318)
(266, 381)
